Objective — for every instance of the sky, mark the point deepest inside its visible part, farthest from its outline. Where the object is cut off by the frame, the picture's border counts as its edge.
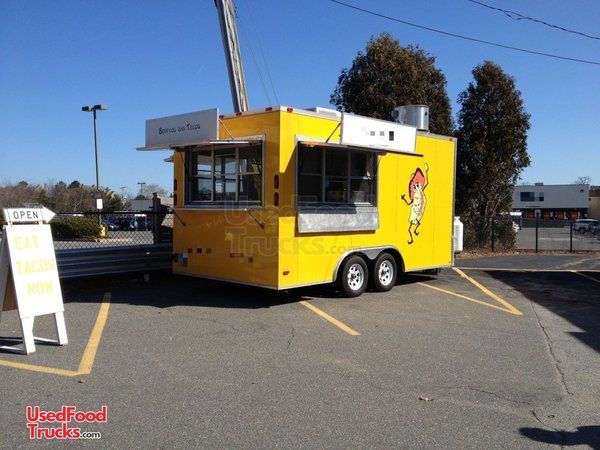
(148, 59)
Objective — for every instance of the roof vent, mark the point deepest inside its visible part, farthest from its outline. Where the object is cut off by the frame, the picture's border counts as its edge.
(325, 111)
(412, 115)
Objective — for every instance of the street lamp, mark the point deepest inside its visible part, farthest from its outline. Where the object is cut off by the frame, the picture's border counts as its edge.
(142, 184)
(94, 109)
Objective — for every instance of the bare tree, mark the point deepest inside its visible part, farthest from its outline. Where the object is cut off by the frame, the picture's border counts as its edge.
(583, 180)
(75, 197)
(18, 195)
(150, 188)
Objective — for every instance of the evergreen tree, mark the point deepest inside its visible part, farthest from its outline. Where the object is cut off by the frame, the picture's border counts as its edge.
(492, 149)
(387, 75)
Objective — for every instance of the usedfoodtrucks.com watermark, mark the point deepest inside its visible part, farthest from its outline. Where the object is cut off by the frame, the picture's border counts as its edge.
(64, 423)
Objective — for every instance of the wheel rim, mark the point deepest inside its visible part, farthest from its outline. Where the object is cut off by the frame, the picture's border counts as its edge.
(356, 277)
(385, 273)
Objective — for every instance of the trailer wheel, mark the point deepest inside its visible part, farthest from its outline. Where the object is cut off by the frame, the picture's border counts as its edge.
(353, 277)
(385, 272)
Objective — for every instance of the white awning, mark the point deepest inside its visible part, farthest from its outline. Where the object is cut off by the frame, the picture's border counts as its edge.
(203, 144)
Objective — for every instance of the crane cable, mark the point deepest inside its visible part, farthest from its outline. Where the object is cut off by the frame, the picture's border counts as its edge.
(246, 37)
(262, 53)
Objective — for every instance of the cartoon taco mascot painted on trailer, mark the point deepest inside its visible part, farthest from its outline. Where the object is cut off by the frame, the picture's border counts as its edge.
(416, 191)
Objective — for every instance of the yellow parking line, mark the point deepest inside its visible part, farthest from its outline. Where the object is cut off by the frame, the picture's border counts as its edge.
(333, 320)
(89, 354)
(479, 302)
(585, 276)
(577, 261)
(34, 368)
(489, 293)
(502, 269)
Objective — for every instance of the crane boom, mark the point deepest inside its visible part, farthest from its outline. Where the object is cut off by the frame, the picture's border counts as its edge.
(231, 45)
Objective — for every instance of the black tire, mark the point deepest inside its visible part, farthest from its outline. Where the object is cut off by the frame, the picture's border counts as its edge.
(353, 277)
(385, 273)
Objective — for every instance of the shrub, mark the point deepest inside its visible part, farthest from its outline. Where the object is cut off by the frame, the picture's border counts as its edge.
(74, 227)
(476, 237)
(504, 235)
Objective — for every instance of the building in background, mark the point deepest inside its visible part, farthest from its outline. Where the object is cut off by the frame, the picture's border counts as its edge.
(146, 204)
(594, 208)
(552, 201)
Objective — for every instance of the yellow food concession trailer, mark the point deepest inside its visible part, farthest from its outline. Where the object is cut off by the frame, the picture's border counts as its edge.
(284, 197)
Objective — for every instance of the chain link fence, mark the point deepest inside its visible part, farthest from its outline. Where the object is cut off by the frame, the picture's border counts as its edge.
(95, 229)
(548, 234)
(116, 229)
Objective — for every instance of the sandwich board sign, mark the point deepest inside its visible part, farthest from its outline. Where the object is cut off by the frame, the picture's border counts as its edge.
(29, 272)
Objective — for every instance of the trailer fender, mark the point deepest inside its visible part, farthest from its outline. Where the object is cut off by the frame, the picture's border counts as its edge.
(369, 254)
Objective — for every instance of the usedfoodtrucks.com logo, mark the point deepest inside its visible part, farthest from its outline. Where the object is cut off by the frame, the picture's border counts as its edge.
(62, 424)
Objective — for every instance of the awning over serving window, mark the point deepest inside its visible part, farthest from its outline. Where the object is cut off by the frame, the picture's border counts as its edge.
(204, 144)
(335, 145)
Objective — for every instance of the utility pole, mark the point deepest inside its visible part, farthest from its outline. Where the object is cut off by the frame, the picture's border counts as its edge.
(123, 192)
(142, 184)
(231, 45)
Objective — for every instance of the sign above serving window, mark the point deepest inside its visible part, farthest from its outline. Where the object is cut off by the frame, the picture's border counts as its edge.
(367, 132)
(182, 129)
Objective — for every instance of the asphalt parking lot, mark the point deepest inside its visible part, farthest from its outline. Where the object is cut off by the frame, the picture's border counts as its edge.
(501, 353)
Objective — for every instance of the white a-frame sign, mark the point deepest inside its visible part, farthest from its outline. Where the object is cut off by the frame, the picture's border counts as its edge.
(28, 268)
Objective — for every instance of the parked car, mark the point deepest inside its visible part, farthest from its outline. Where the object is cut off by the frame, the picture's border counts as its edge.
(585, 225)
(110, 225)
(125, 223)
(141, 222)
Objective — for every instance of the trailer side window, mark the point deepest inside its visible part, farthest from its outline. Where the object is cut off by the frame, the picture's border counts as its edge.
(225, 175)
(362, 177)
(310, 168)
(201, 180)
(332, 176)
(250, 181)
(336, 176)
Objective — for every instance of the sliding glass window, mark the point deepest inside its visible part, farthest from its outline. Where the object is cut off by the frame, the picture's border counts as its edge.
(229, 175)
(335, 176)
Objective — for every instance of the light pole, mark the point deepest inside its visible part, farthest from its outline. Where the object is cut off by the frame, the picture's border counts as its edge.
(94, 109)
(123, 192)
(142, 184)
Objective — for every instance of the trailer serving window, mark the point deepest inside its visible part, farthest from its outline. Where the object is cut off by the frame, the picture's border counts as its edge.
(336, 176)
(229, 174)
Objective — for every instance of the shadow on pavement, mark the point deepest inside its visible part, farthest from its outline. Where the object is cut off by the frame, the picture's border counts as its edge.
(17, 342)
(164, 290)
(588, 435)
(565, 294)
